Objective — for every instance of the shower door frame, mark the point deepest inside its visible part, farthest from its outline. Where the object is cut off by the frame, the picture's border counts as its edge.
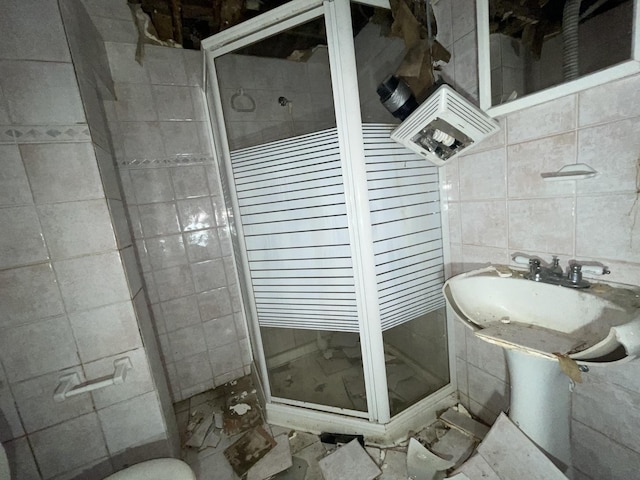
(337, 18)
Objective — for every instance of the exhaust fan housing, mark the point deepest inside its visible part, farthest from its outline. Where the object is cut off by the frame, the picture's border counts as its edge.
(444, 126)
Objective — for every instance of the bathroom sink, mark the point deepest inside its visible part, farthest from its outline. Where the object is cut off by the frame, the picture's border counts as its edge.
(504, 308)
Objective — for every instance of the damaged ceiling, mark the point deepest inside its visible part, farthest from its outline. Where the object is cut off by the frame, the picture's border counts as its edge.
(187, 22)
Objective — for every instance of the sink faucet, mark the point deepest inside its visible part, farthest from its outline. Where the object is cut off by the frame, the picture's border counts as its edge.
(554, 274)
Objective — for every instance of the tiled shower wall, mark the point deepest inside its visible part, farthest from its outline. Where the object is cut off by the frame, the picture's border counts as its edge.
(499, 205)
(171, 193)
(66, 298)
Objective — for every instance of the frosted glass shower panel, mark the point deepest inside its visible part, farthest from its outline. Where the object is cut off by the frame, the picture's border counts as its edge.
(404, 202)
(292, 207)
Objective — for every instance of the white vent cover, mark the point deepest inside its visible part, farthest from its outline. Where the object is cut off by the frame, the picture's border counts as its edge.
(443, 126)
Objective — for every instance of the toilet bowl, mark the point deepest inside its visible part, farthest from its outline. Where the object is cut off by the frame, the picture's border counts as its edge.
(4, 464)
(159, 469)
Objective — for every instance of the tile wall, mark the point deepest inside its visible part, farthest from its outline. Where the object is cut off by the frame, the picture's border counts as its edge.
(498, 205)
(171, 194)
(65, 291)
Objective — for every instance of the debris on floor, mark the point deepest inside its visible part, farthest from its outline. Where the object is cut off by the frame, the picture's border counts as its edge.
(249, 449)
(507, 453)
(349, 461)
(227, 424)
(422, 464)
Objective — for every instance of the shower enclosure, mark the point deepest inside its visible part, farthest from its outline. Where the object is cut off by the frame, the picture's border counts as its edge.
(337, 229)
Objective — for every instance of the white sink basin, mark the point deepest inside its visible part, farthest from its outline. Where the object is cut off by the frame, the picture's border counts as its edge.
(511, 311)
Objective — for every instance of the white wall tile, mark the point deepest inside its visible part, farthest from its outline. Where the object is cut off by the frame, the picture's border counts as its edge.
(214, 304)
(483, 175)
(486, 356)
(93, 281)
(166, 251)
(189, 182)
(165, 65)
(62, 172)
(463, 17)
(196, 214)
(121, 224)
(194, 370)
(484, 223)
(208, 275)
(476, 256)
(599, 404)
(152, 185)
(138, 379)
(610, 102)
(193, 63)
(600, 456)
(187, 342)
(26, 350)
(108, 173)
(225, 358)
(116, 30)
(21, 242)
(78, 228)
(488, 391)
(181, 137)
(122, 61)
(14, 186)
(181, 312)
(68, 445)
(465, 65)
(526, 161)
(559, 212)
(134, 102)
(612, 150)
(174, 282)
(19, 304)
(110, 8)
(221, 331)
(542, 120)
(10, 422)
(31, 101)
(602, 233)
(105, 331)
(38, 21)
(133, 422)
(174, 102)
(142, 140)
(38, 410)
(159, 219)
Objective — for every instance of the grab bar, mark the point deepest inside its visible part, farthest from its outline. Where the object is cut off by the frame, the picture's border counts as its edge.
(70, 385)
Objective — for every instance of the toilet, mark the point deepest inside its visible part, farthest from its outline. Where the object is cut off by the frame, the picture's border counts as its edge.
(159, 469)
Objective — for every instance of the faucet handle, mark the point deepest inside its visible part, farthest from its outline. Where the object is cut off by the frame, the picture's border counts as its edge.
(595, 270)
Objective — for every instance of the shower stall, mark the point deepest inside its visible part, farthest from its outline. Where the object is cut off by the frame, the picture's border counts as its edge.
(337, 230)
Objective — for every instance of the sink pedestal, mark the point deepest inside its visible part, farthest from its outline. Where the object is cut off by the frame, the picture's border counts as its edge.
(541, 404)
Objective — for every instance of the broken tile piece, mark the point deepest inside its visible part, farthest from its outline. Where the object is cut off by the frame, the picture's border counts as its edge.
(477, 467)
(275, 461)
(464, 423)
(455, 446)
(198, 436)
(248, 449)
(350, 461)
(211, 440)
(511, 454)
(394, 466)
(297, 471)
(424, 465)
